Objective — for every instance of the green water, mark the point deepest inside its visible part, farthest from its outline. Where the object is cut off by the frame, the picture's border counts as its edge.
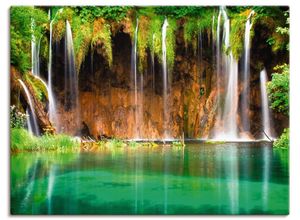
(199, 179)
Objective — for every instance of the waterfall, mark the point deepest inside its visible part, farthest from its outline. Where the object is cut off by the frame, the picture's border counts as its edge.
(265, 105)
(33, 125)
(228, 114)
(245, 95)
(35, 52)
(218, 60)
(231, 102)
(165, 75)
(52, 104)
(134, 73)
(218, 71)
(71, 78)
(29, 127)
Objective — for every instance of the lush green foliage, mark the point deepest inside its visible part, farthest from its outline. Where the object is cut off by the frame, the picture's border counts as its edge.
(184, 11)
(93, 27)
(17, 118)
(278, 89)
(26, 24)
(237, 33)
(276, 20)
(171, 43)
(155, 35)
(191, 30)
(113, 13)
(102, 36)
(284, 140)
(22, 140)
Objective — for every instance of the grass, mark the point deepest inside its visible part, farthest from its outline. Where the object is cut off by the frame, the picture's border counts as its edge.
(177, 144)
(214, 142)
(22, 140)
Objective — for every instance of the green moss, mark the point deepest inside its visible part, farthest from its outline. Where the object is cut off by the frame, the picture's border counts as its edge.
(101, 39)
(142, 41)
(237, 33)
(171, 43)
(155, 36)
(190, 32)
(39, 88)
(59, 22)
(44, 48)
(82, 41)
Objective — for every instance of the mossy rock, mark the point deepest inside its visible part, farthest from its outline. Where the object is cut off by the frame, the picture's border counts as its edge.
(39, 87)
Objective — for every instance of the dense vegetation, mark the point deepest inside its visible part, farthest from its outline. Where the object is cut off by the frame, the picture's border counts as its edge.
(94, 27)
(26, 24)
(278, 87)
(22, 140)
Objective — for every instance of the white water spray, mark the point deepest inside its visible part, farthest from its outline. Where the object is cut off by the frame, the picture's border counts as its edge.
(33, 125)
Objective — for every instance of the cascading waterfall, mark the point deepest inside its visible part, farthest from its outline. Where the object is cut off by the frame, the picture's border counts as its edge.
(265, 106)
(29, 127)
(35, 53)
(218, 60)
(229, 113)
(231, 102)
(245, 94)
(134, 73)
(51, 97)
(165, 75)
(71, 78)
(33, 125)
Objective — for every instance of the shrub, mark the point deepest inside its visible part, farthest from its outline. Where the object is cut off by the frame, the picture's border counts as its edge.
(17, 118)
(278, 89)
(284, 139)
(22, 31)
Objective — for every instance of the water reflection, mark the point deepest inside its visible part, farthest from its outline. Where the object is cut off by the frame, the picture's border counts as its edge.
(197, 179)
(266, 175)
(50, 187)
